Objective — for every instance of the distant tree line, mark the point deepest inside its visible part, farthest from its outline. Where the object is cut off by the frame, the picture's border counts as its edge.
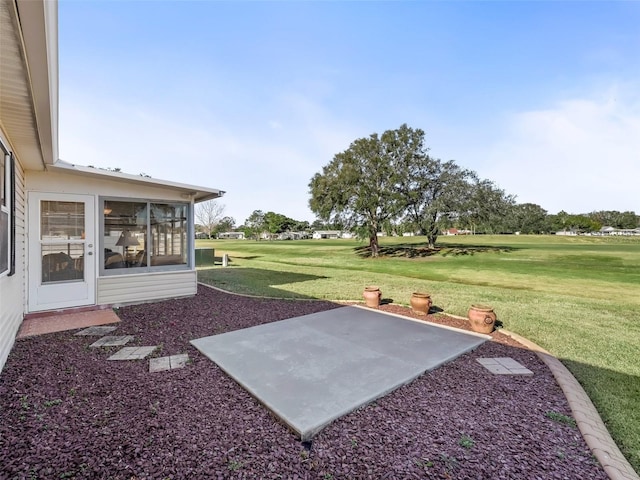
(272, 223)
(529, 218)
(525, 218)
(211, 220)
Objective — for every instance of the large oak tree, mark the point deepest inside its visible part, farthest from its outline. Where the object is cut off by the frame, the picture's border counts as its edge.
(433, 190)
(488, 208)
(358, 187)
(391, 178)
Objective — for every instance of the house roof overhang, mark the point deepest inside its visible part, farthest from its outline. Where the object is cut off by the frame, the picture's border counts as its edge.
(188, 192)
(29, 80)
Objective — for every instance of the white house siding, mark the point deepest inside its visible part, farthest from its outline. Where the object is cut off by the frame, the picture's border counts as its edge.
(12, 289)
(322, 234)
(231, 235)
(130, 288)
(70, 183)
(126, 289)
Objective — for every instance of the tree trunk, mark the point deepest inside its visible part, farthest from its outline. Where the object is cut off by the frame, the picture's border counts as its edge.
(373, 244)
(432, 233)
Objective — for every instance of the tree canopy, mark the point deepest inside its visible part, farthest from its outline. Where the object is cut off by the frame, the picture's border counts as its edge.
(254, 225)
(528, 218)
(390, 178)
(358, 188)
(272, 223)
(226, 224)
(208, 214)
(615, 219)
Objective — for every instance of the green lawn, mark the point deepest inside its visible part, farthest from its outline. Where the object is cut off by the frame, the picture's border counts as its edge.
(578, 297)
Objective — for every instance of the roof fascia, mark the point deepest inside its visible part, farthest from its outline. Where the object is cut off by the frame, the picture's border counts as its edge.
(190, 192)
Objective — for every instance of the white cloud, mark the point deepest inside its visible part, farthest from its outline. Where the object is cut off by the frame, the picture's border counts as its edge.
(579, 156)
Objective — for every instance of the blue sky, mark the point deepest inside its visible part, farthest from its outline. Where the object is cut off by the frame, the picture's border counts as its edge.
(256, 97)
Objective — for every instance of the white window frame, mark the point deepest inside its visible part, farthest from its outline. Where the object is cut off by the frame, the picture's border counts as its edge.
(5, 206)
(149, 268)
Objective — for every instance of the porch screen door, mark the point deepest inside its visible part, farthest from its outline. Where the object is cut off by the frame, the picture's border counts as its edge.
(61, 251)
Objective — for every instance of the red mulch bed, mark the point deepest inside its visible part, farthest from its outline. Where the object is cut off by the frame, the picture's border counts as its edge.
(67, 412)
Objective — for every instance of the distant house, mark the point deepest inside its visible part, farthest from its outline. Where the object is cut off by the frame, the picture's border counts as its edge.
(231, 235)
(293, 236)
(619, 231)
(627, 231)
(322, 234)
(455, 231)
(201, 235)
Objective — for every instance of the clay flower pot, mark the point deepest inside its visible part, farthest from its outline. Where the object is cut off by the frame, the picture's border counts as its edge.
(420, 303)
(372, 295)
(482, 318)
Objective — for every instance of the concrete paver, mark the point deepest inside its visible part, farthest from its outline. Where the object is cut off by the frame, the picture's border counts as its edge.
(159, 364)
(172, 362)
(96, 330)
(179, 361)
(132, 353)
(313, 369)
(504, 366)
(112, 341)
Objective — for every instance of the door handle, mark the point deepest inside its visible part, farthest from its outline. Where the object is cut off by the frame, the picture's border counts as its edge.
(89, 253)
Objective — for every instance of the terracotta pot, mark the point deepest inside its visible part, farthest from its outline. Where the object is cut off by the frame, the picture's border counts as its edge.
(482, 318)
(420, 303)
(372, 295)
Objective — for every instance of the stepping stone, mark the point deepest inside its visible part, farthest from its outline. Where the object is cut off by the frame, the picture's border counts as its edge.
(132, 353)
(96, 330)
(168, 363)
(504, 366)
(111, 341)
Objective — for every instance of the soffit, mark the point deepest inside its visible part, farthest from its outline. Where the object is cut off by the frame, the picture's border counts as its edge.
(17, 109)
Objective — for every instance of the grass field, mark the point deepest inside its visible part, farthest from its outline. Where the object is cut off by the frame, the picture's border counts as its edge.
(578, 297)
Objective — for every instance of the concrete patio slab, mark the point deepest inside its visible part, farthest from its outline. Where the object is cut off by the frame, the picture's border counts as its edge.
(313, 369)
